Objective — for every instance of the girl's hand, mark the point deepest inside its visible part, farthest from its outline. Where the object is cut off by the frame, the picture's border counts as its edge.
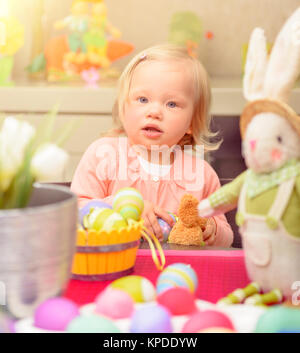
(205, 209)
(209, 234)
(150, 214)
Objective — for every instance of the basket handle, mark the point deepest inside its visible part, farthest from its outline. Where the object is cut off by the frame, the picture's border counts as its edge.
(152, 243)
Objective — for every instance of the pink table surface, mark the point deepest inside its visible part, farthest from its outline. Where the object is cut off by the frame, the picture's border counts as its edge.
(219, 273)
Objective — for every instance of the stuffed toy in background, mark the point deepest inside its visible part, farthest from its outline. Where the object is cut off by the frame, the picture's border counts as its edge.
(268, 193)
(188, 230)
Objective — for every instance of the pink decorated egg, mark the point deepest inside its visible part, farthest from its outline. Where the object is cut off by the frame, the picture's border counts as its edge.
(217, 330)
(114, 303)
(55, 314)
(208, 319)
(178, 300)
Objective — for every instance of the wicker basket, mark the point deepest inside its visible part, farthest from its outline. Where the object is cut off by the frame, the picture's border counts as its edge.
(104, 256)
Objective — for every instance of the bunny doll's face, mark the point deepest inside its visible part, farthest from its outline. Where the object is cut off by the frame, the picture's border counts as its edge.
(270, 141)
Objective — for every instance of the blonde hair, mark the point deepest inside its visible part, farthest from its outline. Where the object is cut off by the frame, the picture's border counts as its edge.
(201, 133)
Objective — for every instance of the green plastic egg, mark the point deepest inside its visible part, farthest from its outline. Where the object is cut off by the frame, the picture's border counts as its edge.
(92, 324)
(104, 219)
(279, 319)
(129, 203)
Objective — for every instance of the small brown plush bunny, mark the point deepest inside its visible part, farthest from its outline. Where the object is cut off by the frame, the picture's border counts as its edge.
(189, 227)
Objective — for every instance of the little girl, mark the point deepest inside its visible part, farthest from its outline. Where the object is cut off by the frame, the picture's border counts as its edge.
(161, 117)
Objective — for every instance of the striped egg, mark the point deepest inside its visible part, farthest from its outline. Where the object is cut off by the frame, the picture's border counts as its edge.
(104, 219)
(165, 227)
(129, 203)
(177, 275)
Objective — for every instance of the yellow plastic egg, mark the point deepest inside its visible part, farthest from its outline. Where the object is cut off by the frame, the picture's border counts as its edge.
(104, 219)
(138, 287)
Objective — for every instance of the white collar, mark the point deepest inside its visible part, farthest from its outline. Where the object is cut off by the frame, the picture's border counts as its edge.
(153, 168)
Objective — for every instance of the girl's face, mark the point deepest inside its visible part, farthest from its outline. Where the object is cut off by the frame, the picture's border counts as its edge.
(160, 104)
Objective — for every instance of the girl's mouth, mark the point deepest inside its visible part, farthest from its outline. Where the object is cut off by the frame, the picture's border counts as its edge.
(152, 131)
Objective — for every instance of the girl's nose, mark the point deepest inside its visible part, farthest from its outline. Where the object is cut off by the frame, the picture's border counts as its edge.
(154, 111)
(252, 144)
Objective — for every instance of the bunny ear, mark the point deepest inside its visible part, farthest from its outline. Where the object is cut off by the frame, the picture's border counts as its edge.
(256, 65)
(284, 63)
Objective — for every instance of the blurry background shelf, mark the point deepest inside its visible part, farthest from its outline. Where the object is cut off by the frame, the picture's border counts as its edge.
(93, 107)
(72, 99)
(227, 98)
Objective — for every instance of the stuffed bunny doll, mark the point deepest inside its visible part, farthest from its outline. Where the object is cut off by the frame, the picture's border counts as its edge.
(268, 192)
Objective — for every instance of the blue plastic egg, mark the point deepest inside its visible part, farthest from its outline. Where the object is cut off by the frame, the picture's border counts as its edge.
(86, 208)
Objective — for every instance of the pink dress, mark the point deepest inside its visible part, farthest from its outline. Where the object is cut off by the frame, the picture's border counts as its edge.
(110, 164)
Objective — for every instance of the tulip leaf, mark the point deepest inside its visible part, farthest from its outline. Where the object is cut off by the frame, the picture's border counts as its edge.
(67, 130)
(46, 127)
(19, 191)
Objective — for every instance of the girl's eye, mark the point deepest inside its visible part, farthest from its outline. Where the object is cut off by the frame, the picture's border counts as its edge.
(171, 104)
(143, 100)
(279, 139)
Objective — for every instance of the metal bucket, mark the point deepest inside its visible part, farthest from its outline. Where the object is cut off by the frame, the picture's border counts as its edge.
(37, 244)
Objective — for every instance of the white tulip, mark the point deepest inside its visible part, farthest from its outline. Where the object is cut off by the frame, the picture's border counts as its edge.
(48, 163)
(15, 136)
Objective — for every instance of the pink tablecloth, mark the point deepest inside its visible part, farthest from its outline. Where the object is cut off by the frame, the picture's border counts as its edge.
(219, 273)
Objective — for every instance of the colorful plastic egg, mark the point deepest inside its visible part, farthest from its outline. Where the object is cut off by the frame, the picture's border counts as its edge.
(104, 219)
(177, 275)
(217, 330)
(208, 319)
(129, 203)
(85, 210)
(165, 227)
(54, 314)
(178, 300)
(279, 319)
(92, 324)
(151, 319)
(114, 303)
(138, 287)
